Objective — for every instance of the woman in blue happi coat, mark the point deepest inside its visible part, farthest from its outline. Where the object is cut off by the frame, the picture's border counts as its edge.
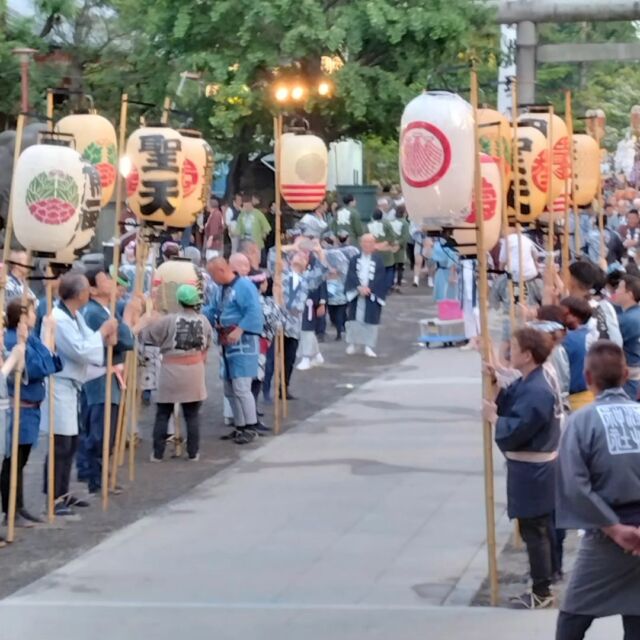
(40, 362)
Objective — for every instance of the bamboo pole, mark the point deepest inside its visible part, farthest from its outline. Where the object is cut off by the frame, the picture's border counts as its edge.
(603, 251)
(166, 110)
(15, 432)
(279, 397)
(115, 459)
(106, 442)
(568, 191)
(51, 460)
(486, 351)
(549, 275)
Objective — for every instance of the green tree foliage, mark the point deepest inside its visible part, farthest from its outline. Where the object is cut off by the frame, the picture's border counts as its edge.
(611, 86)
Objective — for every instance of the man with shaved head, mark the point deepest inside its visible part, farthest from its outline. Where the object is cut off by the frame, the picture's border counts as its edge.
(236, 314)
(366, 292)
(240, 264)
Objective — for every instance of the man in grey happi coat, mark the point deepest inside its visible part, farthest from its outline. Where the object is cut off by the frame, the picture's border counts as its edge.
(599, 491)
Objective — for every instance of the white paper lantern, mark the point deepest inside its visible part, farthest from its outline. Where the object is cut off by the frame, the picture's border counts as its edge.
(88, 219)
(466, 234)
(305, 164)
(154, 182)
(47, 197)
(437, 150)
(95, 140)
(168, 277)
(586, 169)
(197, 173)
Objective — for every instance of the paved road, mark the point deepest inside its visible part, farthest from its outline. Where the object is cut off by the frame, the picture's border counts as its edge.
(365, 521)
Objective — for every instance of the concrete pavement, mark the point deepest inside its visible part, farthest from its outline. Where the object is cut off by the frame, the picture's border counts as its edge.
(366, 520)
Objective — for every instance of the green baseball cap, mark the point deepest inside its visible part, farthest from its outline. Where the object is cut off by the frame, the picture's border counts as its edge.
(188, 295)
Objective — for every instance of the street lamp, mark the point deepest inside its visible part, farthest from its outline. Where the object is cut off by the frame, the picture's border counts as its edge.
(24, 57)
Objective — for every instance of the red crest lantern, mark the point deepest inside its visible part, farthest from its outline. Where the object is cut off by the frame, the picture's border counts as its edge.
(47, 197)
(437, 157)
(305, 163)
(96, 142)
(495, 140)
(88, 220)
(586, 169)
(466, 234)
(154, 183)
(560, 167)
(168, 277)
(197, 173)
(532, 166)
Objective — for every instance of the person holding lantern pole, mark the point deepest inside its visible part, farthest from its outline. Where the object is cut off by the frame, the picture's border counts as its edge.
(95, 313)
(17, 278)
(40, 362)
(386, 245)
(78, 347)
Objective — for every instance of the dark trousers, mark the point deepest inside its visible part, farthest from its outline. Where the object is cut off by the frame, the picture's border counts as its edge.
(5, 477)
(64, 450)
(411, 255)
(268, 369)
(399, 272)
(338, 315)
(290, 350)
(256, 386)
(90, 439)
(574, 626)
(191, 413)
(536, 535)
(389, 276)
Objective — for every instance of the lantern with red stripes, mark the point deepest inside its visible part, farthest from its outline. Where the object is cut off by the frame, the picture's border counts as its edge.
(466, 234)
(437, 157)
(197, 173)
(552, 125)
(303, 176)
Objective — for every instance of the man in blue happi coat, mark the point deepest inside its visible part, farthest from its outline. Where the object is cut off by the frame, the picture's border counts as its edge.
(95, 313)
(236, 315)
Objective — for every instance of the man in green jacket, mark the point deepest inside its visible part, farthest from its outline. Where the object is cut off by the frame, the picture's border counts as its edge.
(400, 228)
(348, 219)
(385, 238)
(252, 223)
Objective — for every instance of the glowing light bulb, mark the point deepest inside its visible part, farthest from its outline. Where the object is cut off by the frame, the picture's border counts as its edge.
(282, 94)
(297, 93)
(324, 89)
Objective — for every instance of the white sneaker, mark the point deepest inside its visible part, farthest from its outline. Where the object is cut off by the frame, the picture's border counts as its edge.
(370, 353)
(351, 349)
(152, 458)
(318, 360)
(430, 282)
(416, 281)
(304, 364)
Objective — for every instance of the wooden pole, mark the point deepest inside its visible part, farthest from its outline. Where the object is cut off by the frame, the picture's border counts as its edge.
(522, 298)
(115, 459)
(568, 191)
(603, 250)
(279, 397)
(15, 434)
(549, 275)
(112, 310)
(487, 431)
(166, 110)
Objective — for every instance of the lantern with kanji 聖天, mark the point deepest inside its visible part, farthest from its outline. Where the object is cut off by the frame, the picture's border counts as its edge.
(305, 164)
(437, 150)
(554, 126)
(531, 189)
(47, 197)
(197, 173)
(168, 277)
(496, 137)
(89, 212)
(95, 140)
(586, 169)
(466, 234)
(154, 181)
(596, 123)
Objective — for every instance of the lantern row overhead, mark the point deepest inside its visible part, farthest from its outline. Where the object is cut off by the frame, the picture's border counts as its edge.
(437, 158)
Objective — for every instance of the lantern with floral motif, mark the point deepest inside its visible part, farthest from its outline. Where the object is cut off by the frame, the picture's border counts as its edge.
(305, 164)
(95, 140)
(586, 169)
(89, 212)
(47, 197)
(552, 125)
(466, 234)
(532, 172)
(437, 150)
(154, 181)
